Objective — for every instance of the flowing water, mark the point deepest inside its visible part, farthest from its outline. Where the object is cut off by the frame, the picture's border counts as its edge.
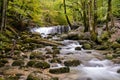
(93, 65)
(45, 31)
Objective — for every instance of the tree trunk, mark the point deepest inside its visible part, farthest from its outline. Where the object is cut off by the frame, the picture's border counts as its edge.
(85, 21)
(92, 19)
(4, 8)
(65, 12)
(108, 15)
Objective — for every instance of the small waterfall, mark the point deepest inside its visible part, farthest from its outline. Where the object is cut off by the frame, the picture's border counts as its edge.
(45, 31)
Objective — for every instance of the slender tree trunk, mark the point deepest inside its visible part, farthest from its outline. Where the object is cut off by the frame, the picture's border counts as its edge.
(65, 12)
(90, 15)
(108, 15)
(85, 17)
(3, 23)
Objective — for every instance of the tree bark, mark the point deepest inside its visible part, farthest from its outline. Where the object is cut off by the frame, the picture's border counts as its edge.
(3, 23)
(92, 19)
(108, 15)
(85, 21)
(65, 12)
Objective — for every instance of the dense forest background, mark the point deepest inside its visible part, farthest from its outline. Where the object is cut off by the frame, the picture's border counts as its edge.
(21, 13)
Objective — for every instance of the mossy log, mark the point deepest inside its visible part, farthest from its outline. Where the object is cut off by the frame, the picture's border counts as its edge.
(43, 41)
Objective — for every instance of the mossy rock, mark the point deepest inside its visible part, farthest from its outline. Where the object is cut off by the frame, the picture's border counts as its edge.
(12, 78)
(115, 45)
(118, 71)
(118, 40)
(55, 60)
(36, 55)
(49, 52)
(104, 35)
(31, 63)
(42, 65)
(32, 77)
(37, 75)
(86, 46)
(59, 70)
(56, 51)
(102, 47)
(1, 79)
(77, 48)
(73, 36)
(18, 63)
(4, 61)
(116, 55)
(109, 56)
(72, 63)
(2, 64)
(54, 78)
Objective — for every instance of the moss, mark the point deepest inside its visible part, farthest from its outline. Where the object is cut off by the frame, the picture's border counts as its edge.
(102, 47)
(115, 45)
(37, 55)
(49, 52)
(60, 70)
(12, 78)
(4, 61)
(72, 63)
(1, 79)
(54, 78)
(32, 77)
(55, 60)
(105, 35)
(18, 63)
(118, 40)
(2, 64)
(86, 46)
(109, 56)
(42, 65)
(56, 51)
(31, 63)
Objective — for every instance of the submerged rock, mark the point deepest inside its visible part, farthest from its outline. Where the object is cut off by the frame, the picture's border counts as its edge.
(77, 48)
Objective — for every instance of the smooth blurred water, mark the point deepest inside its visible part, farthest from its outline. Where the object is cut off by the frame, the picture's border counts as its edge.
(45, 31)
